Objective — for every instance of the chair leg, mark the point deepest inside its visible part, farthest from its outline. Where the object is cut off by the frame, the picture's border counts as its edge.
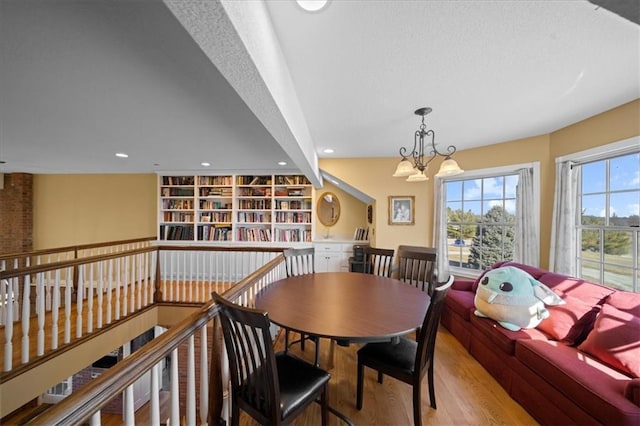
(360, 386)
(286, 340)
(302, 339)
(432, 390)
(317, 356)
(235, 413)
(417, 412)
(379, 376)
(324, 405)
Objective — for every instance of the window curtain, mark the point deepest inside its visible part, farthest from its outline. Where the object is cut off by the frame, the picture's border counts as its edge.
(563, 251)
(525, 248)
(440, 230)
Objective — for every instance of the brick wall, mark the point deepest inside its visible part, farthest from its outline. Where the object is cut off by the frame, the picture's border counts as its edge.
(16, 213)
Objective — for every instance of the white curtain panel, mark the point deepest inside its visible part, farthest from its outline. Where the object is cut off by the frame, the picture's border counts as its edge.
(440, 230)
(525, 248)
(563, 253)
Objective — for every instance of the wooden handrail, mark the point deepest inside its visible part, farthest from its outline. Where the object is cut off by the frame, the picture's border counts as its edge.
(74, 248)
(78, 407)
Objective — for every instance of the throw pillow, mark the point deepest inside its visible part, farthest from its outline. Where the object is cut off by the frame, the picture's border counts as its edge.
(514, 298)
(570, 322)
(615, 341)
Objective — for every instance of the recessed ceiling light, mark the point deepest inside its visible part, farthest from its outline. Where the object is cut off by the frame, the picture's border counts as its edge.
(122, 155)
(282, 163)
(312, 5)
(205, 164)
(328, 151)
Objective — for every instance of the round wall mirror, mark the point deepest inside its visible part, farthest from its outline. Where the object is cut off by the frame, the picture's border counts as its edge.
(328, 209)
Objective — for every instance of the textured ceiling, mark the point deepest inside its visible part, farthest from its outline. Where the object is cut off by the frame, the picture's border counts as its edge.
(81, 80)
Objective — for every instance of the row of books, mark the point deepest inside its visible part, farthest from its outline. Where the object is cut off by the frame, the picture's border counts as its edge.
(178, 204)
(293, 205)
(254, 204)
(215, 180)
(254, 192)
(291, 217)
(178, 180)
(215, 205)
(253, 217)
(293, 235)
(214, 233)
(177, 217)
(253, 234)
(176, 232)
(216, 217)
(254, 180)
(222, 191)
(292, 180)
(176, 192)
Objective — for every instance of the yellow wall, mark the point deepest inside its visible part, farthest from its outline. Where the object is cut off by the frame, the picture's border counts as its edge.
(83, 209)
(76, 209)
(353, 214)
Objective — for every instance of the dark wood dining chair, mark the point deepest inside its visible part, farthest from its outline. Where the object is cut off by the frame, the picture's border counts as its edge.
(300, 261)
(407, 360)
(378, 261)
(272, 388)
(416, 266)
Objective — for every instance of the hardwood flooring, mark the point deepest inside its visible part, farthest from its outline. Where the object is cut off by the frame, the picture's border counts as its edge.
(466, 394)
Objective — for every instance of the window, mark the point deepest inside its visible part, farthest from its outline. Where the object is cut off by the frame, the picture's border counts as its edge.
(480, 219)
(608, 222)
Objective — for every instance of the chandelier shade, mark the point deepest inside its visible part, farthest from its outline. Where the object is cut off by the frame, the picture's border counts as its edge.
(414, 163)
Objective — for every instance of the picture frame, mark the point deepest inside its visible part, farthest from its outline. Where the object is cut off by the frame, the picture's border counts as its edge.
(401, 210)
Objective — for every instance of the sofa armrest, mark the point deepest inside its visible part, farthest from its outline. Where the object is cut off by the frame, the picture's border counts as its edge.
(632, 391)
(463, 284)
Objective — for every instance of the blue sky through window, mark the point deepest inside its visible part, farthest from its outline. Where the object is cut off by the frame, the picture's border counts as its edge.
(624, 186)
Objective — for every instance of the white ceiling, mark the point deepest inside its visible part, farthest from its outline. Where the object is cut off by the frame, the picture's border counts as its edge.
(81, 80)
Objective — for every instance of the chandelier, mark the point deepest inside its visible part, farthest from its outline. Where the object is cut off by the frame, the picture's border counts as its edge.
(413, 163)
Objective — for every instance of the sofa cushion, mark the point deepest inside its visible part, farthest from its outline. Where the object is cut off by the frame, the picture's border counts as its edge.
(503, 339)
(632, 391)
(460, 302)
(570, 322)
(582, 379)
(625, 301)
(615, 340)
(587, 292)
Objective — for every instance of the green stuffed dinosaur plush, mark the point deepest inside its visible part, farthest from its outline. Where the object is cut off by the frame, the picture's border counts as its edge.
(513, 298)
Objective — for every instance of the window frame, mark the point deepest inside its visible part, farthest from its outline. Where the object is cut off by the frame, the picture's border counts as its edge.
(512, 169)
(604, 153)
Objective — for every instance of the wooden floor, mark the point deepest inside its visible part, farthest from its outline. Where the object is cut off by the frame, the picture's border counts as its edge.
(466, 394)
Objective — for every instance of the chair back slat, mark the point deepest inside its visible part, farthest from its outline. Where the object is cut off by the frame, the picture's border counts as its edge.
(252, 364)
(299, 261)
(378, 261)
(429, 330)
(416, 266)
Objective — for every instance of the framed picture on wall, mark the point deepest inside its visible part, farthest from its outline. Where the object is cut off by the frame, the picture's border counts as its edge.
(401, 209)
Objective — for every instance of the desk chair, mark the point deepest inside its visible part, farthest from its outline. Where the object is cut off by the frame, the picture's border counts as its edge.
(416, 267)
(378, 261)
(271, 388)
(407, 360)
(299, 262)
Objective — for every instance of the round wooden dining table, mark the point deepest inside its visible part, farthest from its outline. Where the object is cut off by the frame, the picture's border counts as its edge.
(344, 306)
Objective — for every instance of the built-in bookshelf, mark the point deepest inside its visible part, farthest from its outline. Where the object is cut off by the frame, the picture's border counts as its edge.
(244, 208)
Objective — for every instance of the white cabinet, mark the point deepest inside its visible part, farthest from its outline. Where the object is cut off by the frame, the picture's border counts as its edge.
(333, 256)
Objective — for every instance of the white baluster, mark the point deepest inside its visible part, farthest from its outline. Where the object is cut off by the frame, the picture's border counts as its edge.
(175, 389)
(224, 376)
(67, 305)
(99, 290)
(183, 277)
(4, 299)
(191, 383)
(154, 404)
(140, 281)
(55, 310)
(118, 271)
(90, 298)
(125, 287)
(8, 327)
(79, 301)
(109, 290)
(129, 413)
(204, 376)
(40, 302)
(95, 419)
(26, 313)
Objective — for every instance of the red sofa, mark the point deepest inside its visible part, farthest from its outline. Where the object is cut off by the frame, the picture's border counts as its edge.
(579, 366)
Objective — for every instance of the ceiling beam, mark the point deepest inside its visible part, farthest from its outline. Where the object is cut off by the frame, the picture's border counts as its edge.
(628, 9)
